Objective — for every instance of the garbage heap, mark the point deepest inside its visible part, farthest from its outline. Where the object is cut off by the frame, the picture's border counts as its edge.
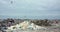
(26, 25)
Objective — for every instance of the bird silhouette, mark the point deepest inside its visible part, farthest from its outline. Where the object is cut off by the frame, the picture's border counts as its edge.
(11, 2)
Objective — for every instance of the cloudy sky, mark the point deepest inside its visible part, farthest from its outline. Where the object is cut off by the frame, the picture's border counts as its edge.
(38, 9)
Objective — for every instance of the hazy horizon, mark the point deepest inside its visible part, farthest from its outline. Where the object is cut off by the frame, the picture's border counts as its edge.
(30, 9)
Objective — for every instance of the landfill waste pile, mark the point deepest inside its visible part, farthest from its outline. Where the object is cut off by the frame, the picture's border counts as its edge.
(26, 25)
(30, 26)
